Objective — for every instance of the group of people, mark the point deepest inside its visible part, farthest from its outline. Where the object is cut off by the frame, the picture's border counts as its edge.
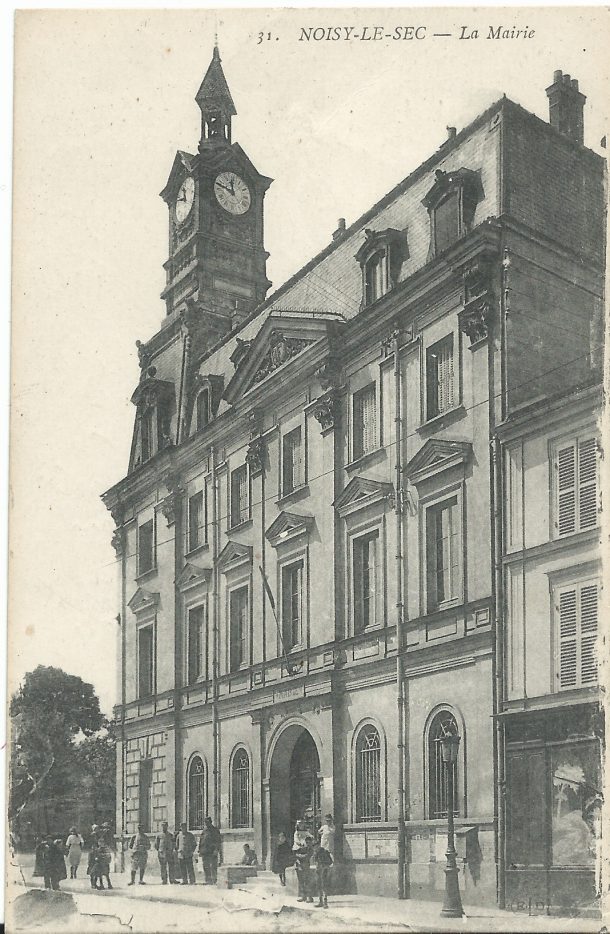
(310, 854)
(176, 852)
(51, 853)
(312, 857)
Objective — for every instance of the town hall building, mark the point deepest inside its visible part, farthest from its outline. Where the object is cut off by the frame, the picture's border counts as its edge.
(312, 540)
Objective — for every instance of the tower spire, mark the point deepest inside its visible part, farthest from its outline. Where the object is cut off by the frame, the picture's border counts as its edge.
(215, 102)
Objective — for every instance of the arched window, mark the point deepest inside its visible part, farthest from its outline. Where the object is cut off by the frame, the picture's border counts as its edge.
(443, 724)
(240, 789)
(376, 276)
(368, 774)
(196, 793)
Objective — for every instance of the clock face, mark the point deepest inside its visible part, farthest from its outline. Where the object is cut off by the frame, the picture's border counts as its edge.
(184, 201)
(232, 193)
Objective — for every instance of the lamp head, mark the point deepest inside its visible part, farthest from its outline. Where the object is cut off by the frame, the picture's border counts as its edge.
(450, 743)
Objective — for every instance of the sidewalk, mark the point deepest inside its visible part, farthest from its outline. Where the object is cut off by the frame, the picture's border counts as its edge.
(155, 907)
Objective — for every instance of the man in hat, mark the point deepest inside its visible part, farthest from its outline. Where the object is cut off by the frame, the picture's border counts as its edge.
(139, 846)
(209, 848)
(185, 847)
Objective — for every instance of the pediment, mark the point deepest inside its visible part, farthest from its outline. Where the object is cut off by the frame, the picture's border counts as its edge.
(151, 389)
(282, 337)
(437, 455)
(288, 525)
(182, 165)
(191, 575)
(233, 555)
(143, 600)
(361, 492)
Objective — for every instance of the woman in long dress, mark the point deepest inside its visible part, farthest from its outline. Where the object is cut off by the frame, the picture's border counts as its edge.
(74, 845)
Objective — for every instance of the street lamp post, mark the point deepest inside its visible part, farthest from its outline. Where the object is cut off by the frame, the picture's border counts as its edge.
(452, 904)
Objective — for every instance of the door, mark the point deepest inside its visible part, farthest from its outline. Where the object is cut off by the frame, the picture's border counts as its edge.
(305, 783)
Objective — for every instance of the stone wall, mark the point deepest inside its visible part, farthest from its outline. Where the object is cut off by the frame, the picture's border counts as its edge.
(154, 747)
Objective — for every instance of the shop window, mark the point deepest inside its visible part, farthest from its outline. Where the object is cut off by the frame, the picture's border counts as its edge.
(364, 421)
(240, 789)
(292, 461)
(239, 495)
(576, 495)
(196, 520)
(238, 627)
(443, 553)
(368, 774)
(292, 605)
(439, 378)
(146, 546)
(366, 581)
(443, 724)
(146, 661)
(196, 793)
(576, 805)
(196, 643)
(576, 607)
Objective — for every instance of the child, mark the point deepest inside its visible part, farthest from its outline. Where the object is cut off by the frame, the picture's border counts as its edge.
(249, 857)
(282, 858)
(301, 848)
(322, 861)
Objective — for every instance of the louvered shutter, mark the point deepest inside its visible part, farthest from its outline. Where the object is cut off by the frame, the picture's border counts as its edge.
(566, 489)
(445, 376)
(568, 639)
(588, 633)
(587, 483)
(365, 420)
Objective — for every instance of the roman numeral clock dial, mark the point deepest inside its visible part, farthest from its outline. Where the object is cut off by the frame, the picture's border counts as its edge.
(232, 193)
(185, 198)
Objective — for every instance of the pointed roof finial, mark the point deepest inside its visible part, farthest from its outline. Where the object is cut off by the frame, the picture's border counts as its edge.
(214, 91)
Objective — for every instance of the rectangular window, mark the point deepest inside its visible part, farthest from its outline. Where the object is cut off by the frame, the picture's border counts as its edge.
(576, 498)
(439, 377)
(197, 523)
(146, 546)
(443, 552)
(196, 643)
(576, 607)
(203, 409)
(364, 421)
(576, 802)
(292, 605)
(366, 574)
(376, 277)
(292, 461)
(239, 495)
(447, 222)
(238, 627)
(147, 434)
(146, 661)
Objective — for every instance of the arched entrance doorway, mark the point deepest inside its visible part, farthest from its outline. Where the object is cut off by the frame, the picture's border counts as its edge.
(294, 781)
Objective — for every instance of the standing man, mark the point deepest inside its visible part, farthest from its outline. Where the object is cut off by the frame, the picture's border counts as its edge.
(139, 846)
(209, 848)
(185, 847)
(164, 845)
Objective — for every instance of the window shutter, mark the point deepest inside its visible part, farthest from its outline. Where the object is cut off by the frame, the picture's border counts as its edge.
(588, 629)
(368, 419)
(568, 639)
(566, 489)
(587, 483)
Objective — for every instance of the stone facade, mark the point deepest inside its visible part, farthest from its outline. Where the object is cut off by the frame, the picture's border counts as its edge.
(307, 534)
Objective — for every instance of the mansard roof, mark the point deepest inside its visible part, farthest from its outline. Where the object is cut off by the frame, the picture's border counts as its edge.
(361, 492)
(288, 525)
(437, 455)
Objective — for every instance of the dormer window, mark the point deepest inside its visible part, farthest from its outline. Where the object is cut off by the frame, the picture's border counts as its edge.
(380, 257)
(154, 400)
(451, 204)
(203, 409)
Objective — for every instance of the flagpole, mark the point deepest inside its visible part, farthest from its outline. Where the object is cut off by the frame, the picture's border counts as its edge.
(269, 593)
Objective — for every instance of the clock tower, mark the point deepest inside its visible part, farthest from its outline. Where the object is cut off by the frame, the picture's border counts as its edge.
(217, 261)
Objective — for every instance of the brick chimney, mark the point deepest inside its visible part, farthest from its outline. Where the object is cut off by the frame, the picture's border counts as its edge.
(566, 105)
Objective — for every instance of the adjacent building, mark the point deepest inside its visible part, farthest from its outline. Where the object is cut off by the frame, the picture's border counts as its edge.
(309, 536)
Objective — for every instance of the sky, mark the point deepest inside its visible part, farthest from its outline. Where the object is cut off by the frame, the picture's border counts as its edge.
(103, 99)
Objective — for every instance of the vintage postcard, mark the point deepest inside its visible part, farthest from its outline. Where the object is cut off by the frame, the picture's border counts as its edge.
(306, 610)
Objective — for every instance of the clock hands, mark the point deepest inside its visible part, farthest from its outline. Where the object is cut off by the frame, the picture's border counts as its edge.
(231, 190)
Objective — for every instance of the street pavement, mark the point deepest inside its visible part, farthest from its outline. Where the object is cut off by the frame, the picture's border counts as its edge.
(255, 906)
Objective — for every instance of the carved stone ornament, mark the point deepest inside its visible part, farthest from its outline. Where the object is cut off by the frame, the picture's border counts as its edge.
(117, 512)
(171, 503)
(241, 349)
(326, 410)
(143, 357)
(280, 350)
(475, 318)
(255, 455)
(117, 542)
(329, 374)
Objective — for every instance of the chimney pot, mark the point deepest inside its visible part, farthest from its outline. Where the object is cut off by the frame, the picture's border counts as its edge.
(566, 106)
(452, 131)
(340, 229)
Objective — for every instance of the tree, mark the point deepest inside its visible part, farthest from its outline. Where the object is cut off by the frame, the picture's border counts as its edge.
(48, 713)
